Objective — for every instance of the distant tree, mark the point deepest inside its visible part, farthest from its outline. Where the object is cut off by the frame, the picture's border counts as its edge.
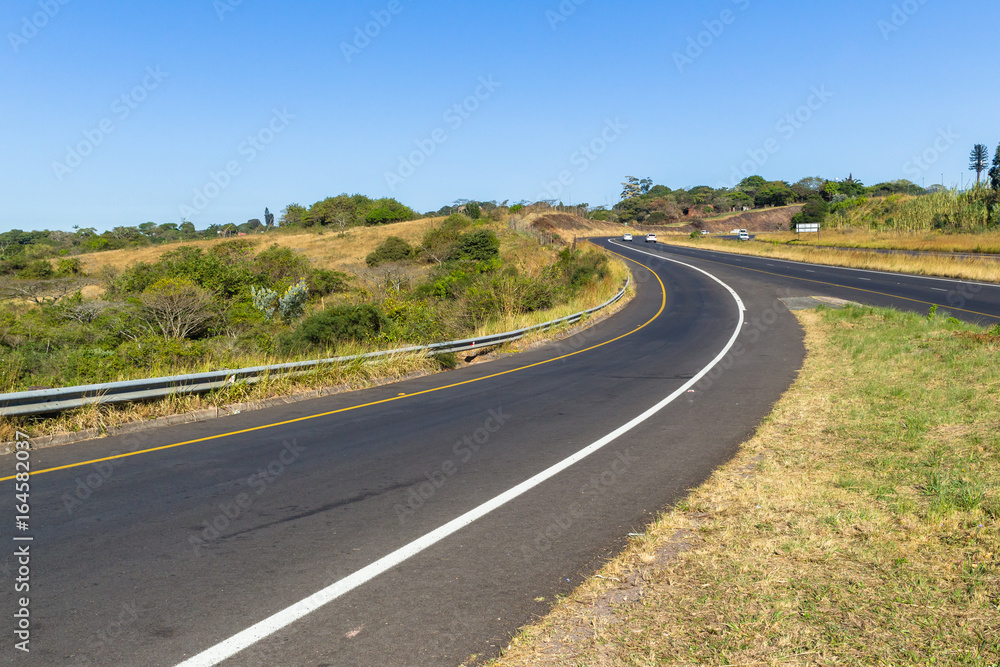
(774, 193)
(187, 228)
(751, 185)
(634, 187)
(830, 188)
(148, 229)
(978, 159)
(293, 216)
(995, 171)
(807, 187)
(473, 210)
(268, 218)
(386, 211)
(851, 187)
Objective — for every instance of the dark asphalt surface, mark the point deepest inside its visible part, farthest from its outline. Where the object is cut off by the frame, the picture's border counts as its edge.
(967, 300)
(153, 558)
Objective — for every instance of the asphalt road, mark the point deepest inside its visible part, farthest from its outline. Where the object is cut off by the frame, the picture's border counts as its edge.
(967, 300)
(153, 558)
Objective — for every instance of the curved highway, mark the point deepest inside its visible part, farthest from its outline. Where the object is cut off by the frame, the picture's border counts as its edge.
(418, 523)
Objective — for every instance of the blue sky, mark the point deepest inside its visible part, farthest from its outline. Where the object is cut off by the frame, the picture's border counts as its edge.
(121, 113)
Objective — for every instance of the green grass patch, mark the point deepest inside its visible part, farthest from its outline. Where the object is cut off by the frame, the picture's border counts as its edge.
(867, 533)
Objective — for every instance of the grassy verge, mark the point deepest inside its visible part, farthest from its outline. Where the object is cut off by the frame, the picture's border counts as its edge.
(932, 241)
(968, 269)
(859, 526)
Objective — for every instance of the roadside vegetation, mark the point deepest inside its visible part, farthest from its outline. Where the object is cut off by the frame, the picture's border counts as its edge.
(239, 302)
(861, 525)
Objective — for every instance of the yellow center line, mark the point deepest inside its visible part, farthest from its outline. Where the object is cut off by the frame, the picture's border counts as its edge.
(663, 305)
(822, 282)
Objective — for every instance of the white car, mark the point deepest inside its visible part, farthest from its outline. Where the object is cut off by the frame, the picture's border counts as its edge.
(650, 238)
(744, 236)
(627, 237)
(704, 232)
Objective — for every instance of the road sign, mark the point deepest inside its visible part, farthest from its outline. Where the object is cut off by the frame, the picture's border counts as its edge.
(807, 227)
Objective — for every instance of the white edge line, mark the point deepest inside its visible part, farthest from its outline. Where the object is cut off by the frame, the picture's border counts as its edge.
(242, 640)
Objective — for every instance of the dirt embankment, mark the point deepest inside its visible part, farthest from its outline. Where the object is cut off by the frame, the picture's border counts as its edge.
(764, 220)
(568, 226)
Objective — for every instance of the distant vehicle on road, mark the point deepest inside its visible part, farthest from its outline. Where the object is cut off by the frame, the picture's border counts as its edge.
(627, 237)
(704, 232)
(744, 236)
(650, 238)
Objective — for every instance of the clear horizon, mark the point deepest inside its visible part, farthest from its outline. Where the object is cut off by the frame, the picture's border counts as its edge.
(212, 110)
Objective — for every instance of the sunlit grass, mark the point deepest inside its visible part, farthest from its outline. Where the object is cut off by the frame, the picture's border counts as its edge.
(860, 525)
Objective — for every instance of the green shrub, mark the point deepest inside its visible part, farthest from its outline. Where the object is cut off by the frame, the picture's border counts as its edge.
(323, 282)
(506, 294)
(39, 269)
(480, 245)
(217, 272)
(456, 221)
(358, 323)
(473, 210)
(278, 263)
(393, 249)
(414, 320)
(136, 278)
(69, 267)
(440, 240)
(579, 268)
(233, 253)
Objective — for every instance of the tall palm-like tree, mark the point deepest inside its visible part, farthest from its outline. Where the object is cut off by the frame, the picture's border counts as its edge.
(995, 171)
(978, 159)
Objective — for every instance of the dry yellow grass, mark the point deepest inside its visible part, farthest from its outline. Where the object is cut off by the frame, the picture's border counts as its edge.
(986, 270)
(326, 249)
(988, 242)
(858, 526)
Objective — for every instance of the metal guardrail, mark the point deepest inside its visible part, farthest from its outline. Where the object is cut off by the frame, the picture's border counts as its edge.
(66, 398)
